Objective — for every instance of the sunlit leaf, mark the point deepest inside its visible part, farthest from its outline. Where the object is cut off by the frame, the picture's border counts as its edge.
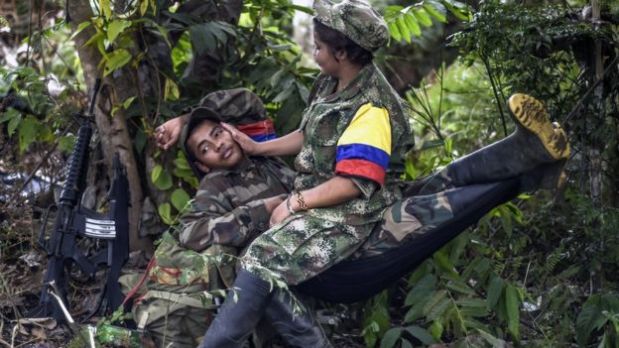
(179, 199)
(27, 132)
(422, 16)
(403, 28)
(165, 212)
(395, 32)
(143, 7)
(171, 91)
(156, 173)
(115, 28)
(435, 11)
(80, 28)
(411, 21)
(116, 60)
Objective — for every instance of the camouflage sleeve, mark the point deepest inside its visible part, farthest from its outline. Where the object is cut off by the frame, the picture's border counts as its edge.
(213, 220)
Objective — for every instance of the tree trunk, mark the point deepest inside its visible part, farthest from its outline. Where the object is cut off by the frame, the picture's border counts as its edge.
(595, 160)
(113, 131)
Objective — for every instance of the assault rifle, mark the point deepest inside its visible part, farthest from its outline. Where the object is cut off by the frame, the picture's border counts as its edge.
(108, 232)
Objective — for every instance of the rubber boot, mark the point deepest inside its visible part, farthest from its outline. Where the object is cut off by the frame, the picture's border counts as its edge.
(536, 141)
(239, 314)
(297, 328)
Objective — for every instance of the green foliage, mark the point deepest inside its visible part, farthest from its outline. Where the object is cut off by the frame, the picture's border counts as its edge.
(407, 22)
(599, 314)
(376, 319)
(548, 51)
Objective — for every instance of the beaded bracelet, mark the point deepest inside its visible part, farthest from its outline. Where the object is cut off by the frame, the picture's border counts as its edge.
(301, 200)
(290, 210)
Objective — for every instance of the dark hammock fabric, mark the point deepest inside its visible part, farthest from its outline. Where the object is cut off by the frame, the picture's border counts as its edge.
(356, 280)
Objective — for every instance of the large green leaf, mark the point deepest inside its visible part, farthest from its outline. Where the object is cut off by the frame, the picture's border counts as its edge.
(494, 291)
(28, 130)
(422, 16)
(512, 309)
(115, 28)
(179, 199)
(436, 10)
(165, 212)
(161, 178)
(421, 334)
(116, 60)
(391, 337)
(592, 318)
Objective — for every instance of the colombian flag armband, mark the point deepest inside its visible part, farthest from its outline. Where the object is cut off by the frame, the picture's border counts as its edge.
(364, 148)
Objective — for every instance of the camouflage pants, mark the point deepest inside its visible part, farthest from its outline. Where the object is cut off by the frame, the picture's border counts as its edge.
(427, 204)
(302, 247)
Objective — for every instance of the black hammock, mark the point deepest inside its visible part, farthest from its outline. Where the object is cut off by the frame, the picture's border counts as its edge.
(355, 280)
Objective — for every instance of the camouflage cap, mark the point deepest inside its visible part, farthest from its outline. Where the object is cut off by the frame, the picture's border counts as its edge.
(235, 106)
(356, 19)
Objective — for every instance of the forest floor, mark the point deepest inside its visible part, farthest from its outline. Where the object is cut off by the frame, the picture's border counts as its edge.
(22, 268)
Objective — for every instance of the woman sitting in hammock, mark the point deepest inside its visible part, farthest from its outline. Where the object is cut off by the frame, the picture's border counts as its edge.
(350, 149)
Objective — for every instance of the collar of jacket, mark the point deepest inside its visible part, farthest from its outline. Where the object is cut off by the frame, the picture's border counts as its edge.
(243, 166)
(355, 86)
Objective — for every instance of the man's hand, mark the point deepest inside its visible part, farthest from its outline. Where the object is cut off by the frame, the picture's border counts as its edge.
(279, 214)
(272, 202)
(168, 133)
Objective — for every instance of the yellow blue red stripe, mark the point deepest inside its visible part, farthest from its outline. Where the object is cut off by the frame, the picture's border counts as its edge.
(362, 151)
(364, 148)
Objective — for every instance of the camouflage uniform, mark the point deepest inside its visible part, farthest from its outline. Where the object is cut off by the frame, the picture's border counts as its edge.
(308, 243)
(199, 255)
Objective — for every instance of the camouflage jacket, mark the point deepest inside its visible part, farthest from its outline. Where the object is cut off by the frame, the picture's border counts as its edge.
(361, 132)
(228, 208)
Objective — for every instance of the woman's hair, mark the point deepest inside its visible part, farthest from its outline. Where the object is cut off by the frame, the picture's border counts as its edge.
(337, 41)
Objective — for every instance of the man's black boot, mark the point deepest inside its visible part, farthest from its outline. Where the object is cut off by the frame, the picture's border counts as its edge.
(297, 327)
(536, 141)
(239, 314)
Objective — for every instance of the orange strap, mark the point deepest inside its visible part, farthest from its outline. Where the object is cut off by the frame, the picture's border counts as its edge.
(135, 288)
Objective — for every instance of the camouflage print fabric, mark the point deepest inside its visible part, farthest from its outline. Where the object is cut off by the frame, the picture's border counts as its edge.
(327, 117)
(227, 208)
(308, 243)
(412, 216)
(356, 19)
(200, 255)
(302, 247)
(235, 106)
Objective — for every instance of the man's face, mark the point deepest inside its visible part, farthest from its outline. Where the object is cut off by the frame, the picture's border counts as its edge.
(213, 146)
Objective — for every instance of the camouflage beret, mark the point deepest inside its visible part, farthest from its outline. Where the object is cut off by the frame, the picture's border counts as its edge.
(356, 19)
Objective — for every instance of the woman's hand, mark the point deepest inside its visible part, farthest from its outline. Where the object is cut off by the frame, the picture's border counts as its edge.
(245, 142)
(168, 133)
(279, 214)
